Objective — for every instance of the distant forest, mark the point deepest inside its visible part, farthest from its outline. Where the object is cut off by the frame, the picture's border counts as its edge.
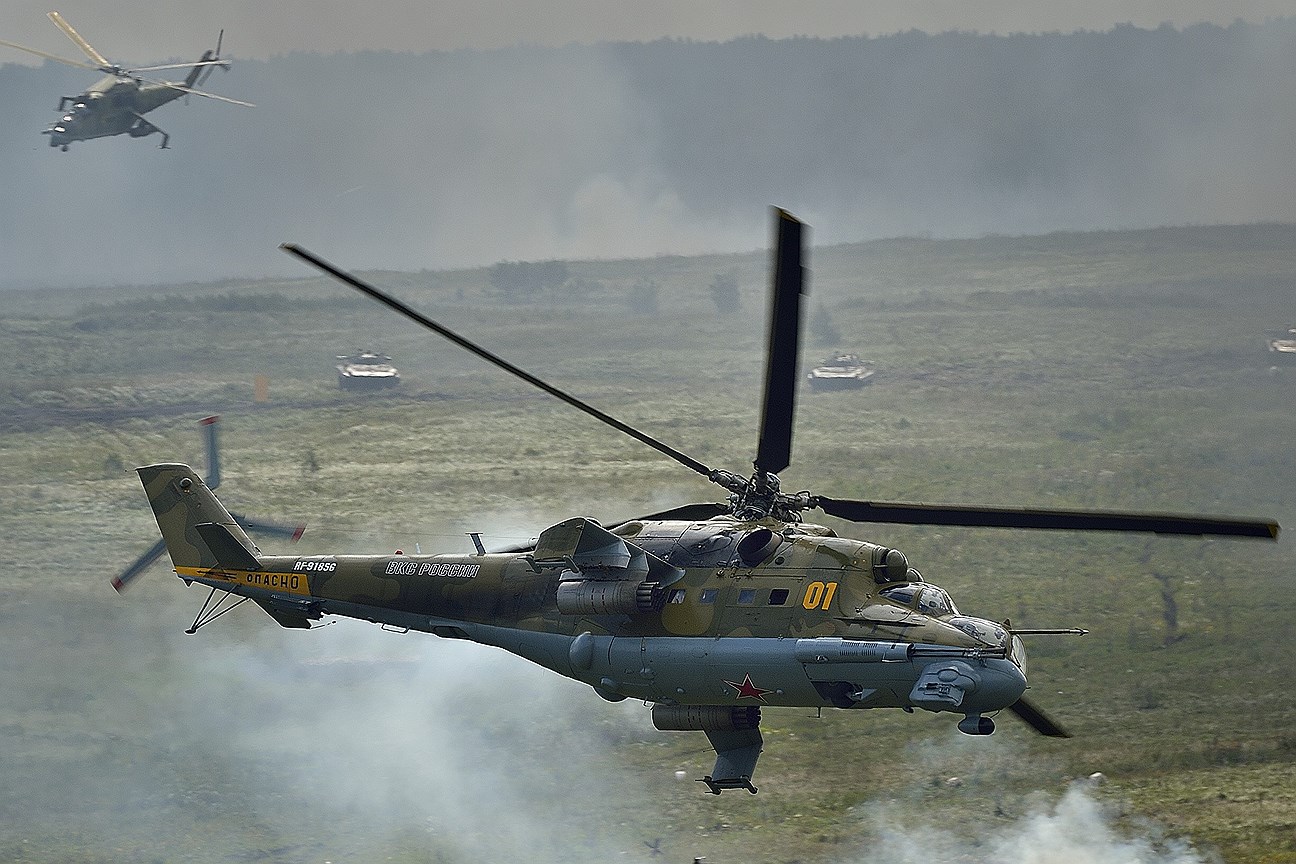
(473, 157)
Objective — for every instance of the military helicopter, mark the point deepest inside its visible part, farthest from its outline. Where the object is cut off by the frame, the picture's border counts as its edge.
(709, 611)
(117, 103)
(211, 441)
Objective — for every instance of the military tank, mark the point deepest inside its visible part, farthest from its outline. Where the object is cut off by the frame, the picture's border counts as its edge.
(1283, 348)
(839, 372)
(366, 370)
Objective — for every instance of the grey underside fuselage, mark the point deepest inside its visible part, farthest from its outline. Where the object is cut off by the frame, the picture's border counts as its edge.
(810, 672)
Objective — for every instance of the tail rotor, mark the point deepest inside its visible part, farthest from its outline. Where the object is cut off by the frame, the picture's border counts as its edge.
(207, 70)
(292, 532)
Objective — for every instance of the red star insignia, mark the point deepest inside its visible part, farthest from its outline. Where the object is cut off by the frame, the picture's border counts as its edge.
(748, 690)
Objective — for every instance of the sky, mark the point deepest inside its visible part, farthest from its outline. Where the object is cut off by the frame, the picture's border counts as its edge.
(563, 158)
(140, 31)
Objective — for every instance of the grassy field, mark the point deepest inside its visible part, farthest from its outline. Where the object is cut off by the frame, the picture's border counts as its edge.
(1110, 370)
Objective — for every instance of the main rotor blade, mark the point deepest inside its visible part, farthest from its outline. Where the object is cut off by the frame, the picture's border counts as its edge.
(274, 529)
(189, 65)
(1061, 520)
(1033, 717)
(206, 95)
(774, 447)
(81, 43)
(140, 565)
(420, 318)
(203, 93)
(685, 512)
(513, 548)
(47, 56)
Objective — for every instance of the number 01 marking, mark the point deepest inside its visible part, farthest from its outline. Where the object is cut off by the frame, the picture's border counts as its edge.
(818, 595)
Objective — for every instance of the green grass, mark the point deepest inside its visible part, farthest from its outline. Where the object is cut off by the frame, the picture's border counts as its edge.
(1111, 370)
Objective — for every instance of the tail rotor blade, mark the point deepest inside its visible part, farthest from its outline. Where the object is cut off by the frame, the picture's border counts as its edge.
(141, 564)
(216, 61)
(1033, 717)
(274, 529)
(208, 425)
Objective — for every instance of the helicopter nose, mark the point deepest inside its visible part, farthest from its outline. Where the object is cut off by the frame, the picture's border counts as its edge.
(998, 685)
(1002, 684)
(971, 687)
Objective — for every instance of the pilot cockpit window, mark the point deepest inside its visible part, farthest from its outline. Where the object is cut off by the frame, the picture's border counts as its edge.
(902, 594)
(934, 601)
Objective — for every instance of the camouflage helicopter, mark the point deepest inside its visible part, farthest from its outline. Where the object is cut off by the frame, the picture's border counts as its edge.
(117, 103)
(708, 611)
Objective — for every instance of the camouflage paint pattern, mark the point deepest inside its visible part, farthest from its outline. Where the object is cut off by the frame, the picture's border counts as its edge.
(740, 613)
(827, 582)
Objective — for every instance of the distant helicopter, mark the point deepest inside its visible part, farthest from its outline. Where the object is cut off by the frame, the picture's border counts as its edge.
(709, 611)
(117, 103)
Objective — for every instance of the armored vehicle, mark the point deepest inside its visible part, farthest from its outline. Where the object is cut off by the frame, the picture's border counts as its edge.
(840, 371)
(1284, 347)
(366, 371)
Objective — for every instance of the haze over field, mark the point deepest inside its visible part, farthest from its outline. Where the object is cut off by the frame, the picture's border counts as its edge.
(468, 157)
(135, 28)
(1119, 370)
(1123, 371)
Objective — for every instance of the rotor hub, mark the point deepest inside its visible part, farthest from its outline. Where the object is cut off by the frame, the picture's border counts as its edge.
(759, 496)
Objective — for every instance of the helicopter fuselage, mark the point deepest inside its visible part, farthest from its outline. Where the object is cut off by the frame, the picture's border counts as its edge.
(730, 613)
(115, 105)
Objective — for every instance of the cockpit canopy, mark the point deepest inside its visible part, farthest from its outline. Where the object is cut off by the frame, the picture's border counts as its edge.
(926, 599)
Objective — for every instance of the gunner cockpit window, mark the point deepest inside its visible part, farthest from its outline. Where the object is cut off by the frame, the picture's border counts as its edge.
(934, 601)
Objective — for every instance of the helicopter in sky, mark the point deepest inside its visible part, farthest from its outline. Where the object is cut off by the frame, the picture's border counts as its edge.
(116, 104)
(708, 611)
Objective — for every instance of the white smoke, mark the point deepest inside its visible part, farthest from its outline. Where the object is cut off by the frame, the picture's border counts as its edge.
(1083, 826)
(1077, 829)
(247, 741)
(487, 755)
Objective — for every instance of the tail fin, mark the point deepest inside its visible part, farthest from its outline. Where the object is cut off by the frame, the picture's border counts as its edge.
(192, 78)
(198, 531)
